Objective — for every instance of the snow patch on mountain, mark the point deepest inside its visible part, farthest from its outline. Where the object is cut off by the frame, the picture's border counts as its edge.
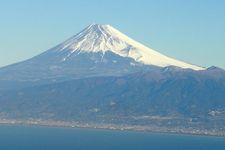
(101, 38)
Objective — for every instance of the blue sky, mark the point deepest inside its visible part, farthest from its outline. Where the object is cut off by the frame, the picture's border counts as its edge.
(189, 30)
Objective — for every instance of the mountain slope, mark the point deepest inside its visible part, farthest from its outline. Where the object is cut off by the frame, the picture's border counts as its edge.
(165, 98)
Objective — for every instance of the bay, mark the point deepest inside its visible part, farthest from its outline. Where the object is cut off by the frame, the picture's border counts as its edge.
(52, 138)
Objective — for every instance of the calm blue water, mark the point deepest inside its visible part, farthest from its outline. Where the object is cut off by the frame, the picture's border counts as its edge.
(45, 138)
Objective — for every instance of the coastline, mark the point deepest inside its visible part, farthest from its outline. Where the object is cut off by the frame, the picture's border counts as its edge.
(111, 127)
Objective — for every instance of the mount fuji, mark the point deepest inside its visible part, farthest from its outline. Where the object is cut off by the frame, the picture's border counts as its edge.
(98, 50)
(101, 78)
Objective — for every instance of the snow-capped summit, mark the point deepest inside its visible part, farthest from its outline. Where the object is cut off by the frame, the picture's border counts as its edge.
(102, 38)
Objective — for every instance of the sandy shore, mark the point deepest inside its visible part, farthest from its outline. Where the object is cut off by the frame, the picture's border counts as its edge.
(76, 124)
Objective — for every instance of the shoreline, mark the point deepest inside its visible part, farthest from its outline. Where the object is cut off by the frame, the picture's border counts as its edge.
(110, 127)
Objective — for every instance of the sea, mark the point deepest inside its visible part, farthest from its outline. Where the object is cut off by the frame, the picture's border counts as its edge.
(20, 137)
